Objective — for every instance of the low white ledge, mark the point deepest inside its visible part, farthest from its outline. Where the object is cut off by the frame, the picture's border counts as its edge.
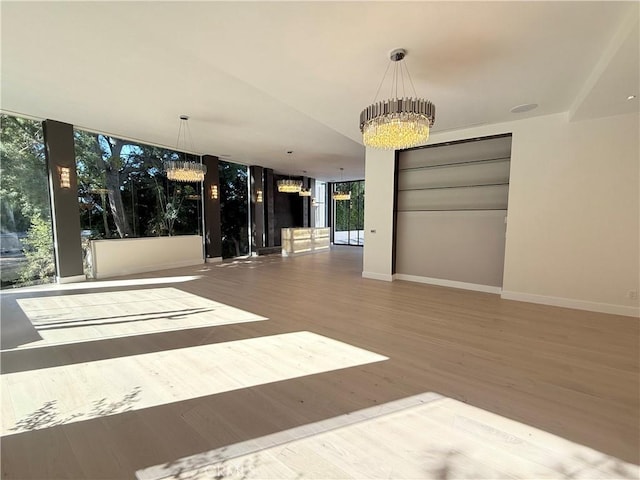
(125, 256)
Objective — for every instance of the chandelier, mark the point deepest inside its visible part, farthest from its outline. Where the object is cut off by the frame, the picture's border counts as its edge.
(341, 195)
(399, 122)
(289, 185)
(184, 170)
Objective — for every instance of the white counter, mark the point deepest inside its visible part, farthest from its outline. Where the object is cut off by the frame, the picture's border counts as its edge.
(304, 240)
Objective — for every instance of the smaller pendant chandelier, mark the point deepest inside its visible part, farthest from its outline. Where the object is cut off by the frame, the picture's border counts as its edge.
(399, 122)
(339, 196)
(289, 185)
(184, 170)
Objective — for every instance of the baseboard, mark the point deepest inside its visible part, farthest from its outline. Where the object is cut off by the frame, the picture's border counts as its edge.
(571, 303)
(73, 279)
(213, 260)
(448, 283)
(378, 276)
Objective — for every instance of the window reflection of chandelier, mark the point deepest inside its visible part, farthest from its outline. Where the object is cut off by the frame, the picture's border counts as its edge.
(304, 191)
(184, 170)
(339, 196)
(289, 185)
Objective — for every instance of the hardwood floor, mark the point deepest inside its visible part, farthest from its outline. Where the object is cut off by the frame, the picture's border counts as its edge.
(217, 381)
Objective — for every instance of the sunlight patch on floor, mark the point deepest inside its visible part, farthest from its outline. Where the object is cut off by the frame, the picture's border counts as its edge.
(97, 316)
(426, 436)
(43, 398)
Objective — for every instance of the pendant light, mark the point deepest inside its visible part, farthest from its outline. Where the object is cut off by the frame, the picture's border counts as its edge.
(184, 171)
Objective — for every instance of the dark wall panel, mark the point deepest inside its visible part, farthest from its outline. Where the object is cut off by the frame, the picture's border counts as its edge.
(288, 210)
(257, 207)
(212, 219)
(60, 153)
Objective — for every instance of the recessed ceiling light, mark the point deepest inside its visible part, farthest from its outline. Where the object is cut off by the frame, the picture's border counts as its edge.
(631, 97)
(525, 107)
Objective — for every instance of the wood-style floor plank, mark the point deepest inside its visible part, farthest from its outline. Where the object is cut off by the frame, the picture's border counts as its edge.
(570, 373)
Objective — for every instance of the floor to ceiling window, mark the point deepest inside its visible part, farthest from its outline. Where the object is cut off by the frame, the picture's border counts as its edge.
(348, 215)
(319, 203)
(234, 209)
(26, 238)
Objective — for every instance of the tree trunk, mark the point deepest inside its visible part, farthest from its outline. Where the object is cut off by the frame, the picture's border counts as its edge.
(103, 197)
(112, 177)
(116, 205)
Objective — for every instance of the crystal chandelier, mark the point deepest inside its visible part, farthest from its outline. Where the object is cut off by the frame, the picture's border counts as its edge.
(399, 122)
(289, 185)
(184, 170)
(341, 195)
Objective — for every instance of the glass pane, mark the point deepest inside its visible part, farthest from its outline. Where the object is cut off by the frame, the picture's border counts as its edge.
(349, 214)
(123, 191)
(342, 215)
(319, 204)
(26, 236)
(234, 209)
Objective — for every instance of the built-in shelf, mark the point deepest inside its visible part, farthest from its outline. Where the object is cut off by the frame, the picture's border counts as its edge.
(454, 210)
(452, 186)
(454, 164)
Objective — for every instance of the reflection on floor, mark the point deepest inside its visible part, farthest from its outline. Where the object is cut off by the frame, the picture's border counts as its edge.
(425, 436)
(91, 316)
(43, 398)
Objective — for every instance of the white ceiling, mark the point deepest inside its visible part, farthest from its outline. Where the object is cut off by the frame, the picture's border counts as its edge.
(261, 78)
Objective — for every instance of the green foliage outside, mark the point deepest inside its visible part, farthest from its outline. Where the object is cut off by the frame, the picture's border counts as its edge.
(39, 252)
(234, 209)
(349, 214)
(24, 203)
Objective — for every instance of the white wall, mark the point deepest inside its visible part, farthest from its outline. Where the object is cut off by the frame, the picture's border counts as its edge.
(574, 214)
(378, 214)
(574, 210)
(136, 255)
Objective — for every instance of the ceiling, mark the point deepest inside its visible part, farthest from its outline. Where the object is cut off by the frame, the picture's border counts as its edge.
(260, 78)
